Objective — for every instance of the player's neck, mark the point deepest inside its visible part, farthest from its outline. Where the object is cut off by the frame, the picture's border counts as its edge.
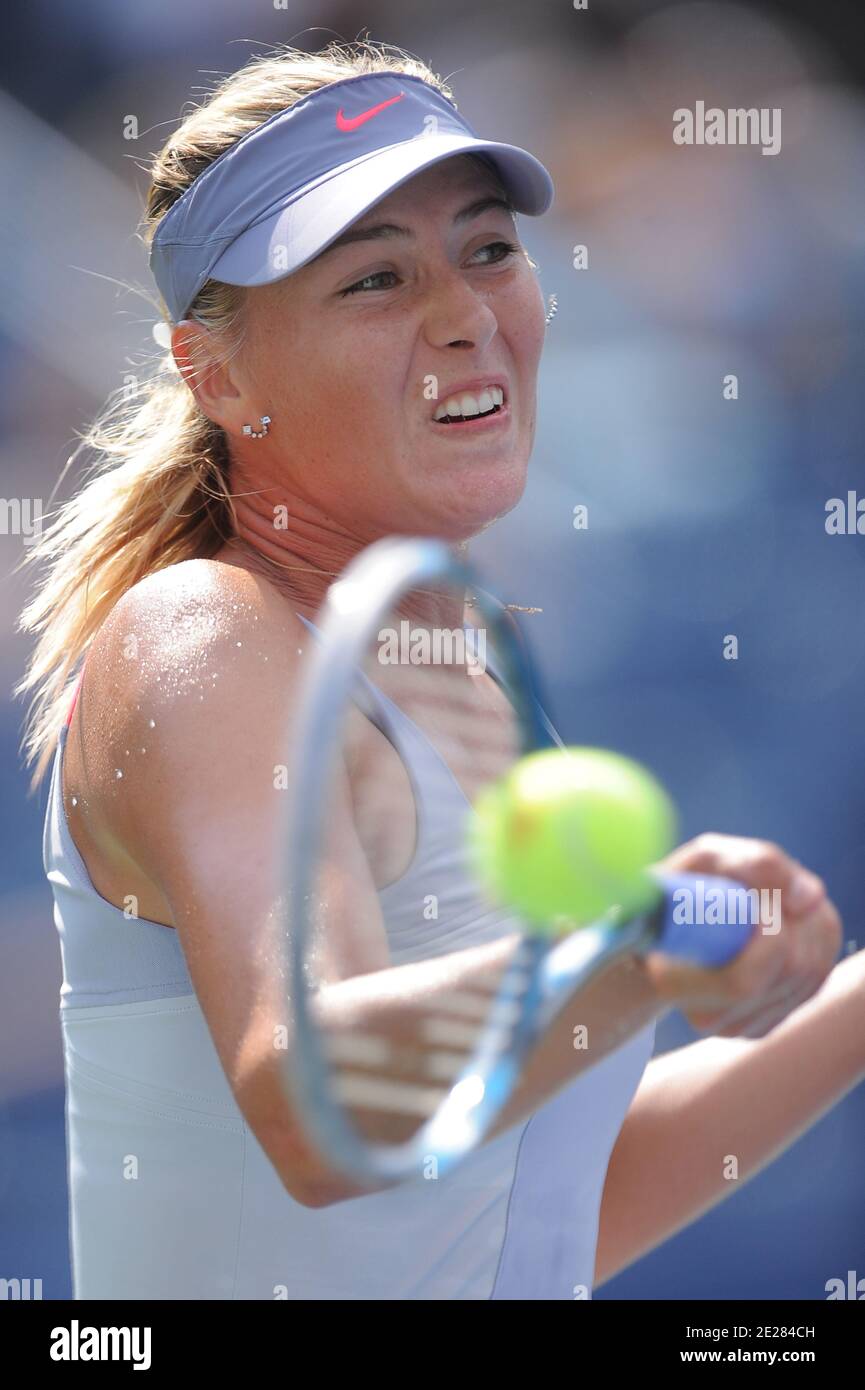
(303, 570)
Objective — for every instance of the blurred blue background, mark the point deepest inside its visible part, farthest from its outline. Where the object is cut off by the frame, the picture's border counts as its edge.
(705, 516)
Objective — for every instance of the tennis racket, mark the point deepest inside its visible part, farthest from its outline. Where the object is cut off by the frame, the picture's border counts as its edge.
(419, 693)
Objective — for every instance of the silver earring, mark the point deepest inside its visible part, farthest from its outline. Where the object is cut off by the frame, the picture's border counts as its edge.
(554, 307)
(258, 434)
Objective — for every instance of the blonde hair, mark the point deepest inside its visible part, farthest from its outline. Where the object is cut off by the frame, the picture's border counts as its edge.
(158, 490)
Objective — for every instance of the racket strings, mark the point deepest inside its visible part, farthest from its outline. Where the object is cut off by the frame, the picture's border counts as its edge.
(393, 1075)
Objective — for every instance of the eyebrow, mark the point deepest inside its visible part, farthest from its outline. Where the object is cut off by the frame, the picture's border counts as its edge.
(390, 229)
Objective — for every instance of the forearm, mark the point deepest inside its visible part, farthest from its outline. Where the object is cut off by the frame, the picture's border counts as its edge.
(721, 1099)
(394, 1004)
(612, 1007)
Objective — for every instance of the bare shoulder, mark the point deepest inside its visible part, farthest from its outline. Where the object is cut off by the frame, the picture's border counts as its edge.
(178, 633)
(195, 663)
(178, 616)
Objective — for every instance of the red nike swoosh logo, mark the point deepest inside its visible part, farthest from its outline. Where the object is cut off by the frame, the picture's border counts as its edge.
(352, 122)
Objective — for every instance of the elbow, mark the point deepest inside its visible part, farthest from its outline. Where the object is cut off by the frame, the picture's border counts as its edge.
(309, 1191)
(301, 1168)
(319, 1186)
(306, 1177)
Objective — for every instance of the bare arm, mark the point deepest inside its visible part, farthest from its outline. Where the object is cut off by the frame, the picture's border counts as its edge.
(614, 1006)
(199, 720)
(198, 815)
(719, 1097)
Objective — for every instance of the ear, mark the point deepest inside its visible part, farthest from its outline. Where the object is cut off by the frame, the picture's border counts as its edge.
(208, 377)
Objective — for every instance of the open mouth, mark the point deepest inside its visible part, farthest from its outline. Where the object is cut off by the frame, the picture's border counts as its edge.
(466, 419)
(465, 409)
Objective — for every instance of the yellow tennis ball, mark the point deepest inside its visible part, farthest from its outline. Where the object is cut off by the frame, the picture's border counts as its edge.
(569, 833)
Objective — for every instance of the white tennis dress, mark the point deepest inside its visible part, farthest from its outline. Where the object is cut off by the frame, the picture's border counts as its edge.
(172, 1197)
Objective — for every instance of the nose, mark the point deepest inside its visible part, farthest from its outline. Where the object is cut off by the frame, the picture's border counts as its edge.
(458, 316)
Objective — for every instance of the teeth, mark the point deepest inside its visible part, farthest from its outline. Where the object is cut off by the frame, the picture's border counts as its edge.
(467, 404)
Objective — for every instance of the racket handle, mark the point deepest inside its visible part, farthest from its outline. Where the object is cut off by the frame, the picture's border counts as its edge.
(680, 921)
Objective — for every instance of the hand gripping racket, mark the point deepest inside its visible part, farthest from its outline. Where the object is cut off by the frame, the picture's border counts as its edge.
(380, 699)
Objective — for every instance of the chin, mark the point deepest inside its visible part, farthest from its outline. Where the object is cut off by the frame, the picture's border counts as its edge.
(480, 496)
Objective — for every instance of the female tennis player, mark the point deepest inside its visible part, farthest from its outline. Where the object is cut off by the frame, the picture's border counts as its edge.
(329, 237)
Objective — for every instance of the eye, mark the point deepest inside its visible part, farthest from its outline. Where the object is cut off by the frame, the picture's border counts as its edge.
(501, 250)
(508, 248)
(358, 287)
